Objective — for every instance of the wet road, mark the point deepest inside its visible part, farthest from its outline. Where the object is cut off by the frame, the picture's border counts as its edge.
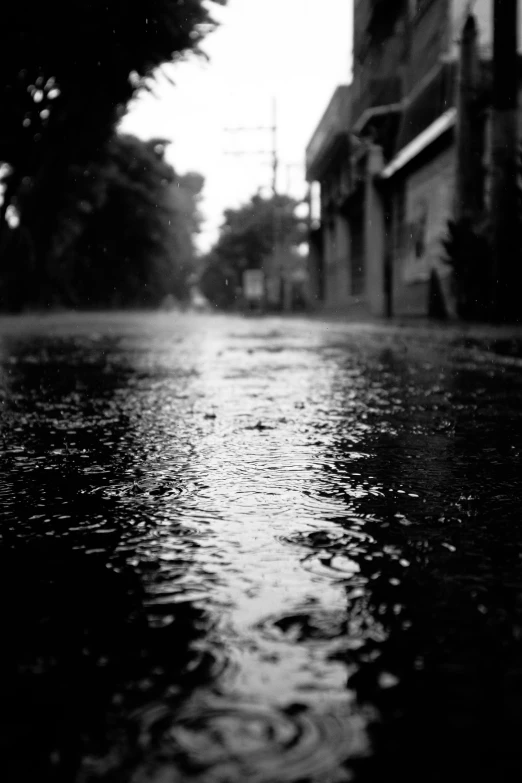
(257, 550)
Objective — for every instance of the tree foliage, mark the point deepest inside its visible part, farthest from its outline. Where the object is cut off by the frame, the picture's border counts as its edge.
(67, 72)
(247, 238)
(468, 252)
(61, 62)
(125, 235)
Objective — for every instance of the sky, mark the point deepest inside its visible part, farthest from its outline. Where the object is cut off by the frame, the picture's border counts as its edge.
(289, 52)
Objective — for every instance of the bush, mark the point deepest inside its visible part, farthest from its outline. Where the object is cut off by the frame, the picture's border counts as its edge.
(469, 253)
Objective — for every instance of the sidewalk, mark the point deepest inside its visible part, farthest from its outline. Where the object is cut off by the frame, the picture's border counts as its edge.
(501, 339)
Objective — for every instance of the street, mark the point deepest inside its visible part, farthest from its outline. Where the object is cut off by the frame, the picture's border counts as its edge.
(239, 549)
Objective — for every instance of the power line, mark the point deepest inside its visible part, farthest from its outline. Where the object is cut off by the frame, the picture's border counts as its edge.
(252, 128)
(246, 152)
(272, 129)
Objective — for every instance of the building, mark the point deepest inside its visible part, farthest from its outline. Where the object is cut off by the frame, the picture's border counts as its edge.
(380, 244)
(328, 159)
(346, 152)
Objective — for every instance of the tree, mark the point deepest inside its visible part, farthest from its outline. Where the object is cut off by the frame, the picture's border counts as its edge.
(247, 239)
(67, 72)
(184, 197)
(125, 235)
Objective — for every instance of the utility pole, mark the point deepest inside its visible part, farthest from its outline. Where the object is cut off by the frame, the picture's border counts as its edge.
(506, 288)
(275, 212)
(272, 128)
(275, 160)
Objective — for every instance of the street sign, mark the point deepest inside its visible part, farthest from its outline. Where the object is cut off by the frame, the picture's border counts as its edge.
(253, 284)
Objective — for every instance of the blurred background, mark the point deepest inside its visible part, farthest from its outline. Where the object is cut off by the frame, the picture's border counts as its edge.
(361, 158)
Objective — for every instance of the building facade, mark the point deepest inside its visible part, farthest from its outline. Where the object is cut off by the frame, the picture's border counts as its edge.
(399, 132)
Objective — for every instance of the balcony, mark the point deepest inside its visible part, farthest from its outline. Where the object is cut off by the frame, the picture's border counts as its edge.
(332, 130)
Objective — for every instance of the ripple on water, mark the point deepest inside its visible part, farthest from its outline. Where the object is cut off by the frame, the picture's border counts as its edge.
(335, 539)
(136, 489)
(335, 552)
(306, 624)
(215, 740)
(335, 566)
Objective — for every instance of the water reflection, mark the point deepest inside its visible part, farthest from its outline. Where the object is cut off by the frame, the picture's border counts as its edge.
(434, 598)
(85, 645)
(257, 551)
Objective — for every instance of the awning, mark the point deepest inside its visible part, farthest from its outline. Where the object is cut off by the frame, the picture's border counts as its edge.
(420, 143)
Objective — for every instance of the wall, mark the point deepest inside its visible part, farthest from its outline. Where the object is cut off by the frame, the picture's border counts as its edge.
(315, 267)
(429, 40)
(377, 68)
(357, 274)
(374, 236)
(337, 253)
(428, 205)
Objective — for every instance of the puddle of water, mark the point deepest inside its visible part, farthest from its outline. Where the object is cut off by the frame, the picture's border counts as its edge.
(241, 547)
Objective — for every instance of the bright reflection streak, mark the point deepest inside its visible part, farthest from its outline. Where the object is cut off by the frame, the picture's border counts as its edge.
(257, 480)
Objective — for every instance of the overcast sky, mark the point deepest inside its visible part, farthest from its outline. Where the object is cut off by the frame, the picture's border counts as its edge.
(297, 51)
